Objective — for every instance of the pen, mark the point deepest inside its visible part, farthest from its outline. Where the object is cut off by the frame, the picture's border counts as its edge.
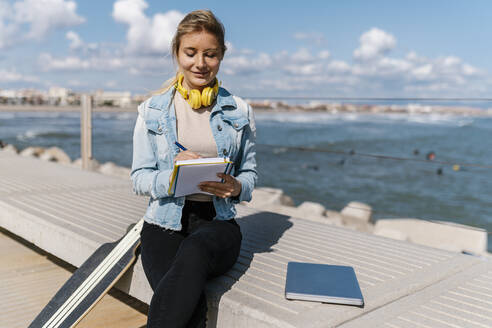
(180, 146)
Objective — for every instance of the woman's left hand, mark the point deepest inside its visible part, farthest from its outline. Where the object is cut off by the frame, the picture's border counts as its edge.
(231, 187)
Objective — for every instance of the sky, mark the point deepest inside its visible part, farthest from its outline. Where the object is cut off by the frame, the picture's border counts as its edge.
(275, 48)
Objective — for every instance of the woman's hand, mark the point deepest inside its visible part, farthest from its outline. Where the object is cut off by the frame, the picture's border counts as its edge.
(187, 154)
(231, 187)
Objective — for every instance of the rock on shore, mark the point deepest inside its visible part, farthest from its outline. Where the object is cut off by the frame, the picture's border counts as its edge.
(440, 234)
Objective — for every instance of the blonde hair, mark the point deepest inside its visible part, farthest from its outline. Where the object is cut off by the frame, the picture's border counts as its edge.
(195, 21)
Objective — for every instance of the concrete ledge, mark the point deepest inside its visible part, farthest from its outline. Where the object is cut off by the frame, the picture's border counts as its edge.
(70, 213)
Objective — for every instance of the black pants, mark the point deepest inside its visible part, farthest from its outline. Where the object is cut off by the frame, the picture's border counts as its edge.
(178, 263)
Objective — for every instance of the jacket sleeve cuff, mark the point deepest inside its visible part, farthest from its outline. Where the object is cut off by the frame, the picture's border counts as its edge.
(161, 184)
(246, 191)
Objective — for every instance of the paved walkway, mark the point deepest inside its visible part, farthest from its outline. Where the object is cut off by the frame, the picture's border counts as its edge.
(29, 280)
(69, 213)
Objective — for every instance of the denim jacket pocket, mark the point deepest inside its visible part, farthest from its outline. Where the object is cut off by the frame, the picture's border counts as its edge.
(159, 142)
(235, 128)
(237, 123)
(154, 126)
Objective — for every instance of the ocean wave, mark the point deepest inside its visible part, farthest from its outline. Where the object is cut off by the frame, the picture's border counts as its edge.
(36, 115)
(7, 116)
(32, 134)
(387, 118)
(126, 116)
(440, 119)
(117, 116)
(296, 117)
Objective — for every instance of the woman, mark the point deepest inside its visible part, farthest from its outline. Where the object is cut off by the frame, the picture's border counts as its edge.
(187, 240)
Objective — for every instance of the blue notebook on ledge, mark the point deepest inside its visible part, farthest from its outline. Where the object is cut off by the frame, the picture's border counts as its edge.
(322, 283)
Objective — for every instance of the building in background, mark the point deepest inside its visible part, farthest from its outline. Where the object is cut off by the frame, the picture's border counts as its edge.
(58, 96)
(113, 98)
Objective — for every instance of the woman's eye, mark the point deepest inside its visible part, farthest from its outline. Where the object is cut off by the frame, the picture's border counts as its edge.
(210, 55)
(190, 55)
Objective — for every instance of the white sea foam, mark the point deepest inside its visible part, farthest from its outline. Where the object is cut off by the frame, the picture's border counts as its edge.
(117, 116)
(328, 118)
(21, 115)
(51, 132)
(29, 135)
(126, 116)
(7, 116)
(106, 116)
(296, 117)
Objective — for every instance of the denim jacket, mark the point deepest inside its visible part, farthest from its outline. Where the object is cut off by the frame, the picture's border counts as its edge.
(234, 131)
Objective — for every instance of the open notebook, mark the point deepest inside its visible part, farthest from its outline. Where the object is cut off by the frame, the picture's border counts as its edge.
(322, 283)
(187, 174)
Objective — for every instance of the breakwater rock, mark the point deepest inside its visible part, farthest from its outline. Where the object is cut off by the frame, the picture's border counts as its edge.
(358, 216)
(55, 154)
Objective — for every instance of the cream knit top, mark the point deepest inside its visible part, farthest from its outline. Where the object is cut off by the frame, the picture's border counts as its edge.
(194, 133)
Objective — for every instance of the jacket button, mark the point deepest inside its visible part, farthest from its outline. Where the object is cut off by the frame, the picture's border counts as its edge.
(159, 129)
(236, 125)
(219, 128)
(224, 151)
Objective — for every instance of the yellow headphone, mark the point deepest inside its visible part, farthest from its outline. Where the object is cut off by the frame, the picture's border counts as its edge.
(194, 97)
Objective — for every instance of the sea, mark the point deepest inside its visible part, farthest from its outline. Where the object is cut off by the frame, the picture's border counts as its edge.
(332, 159)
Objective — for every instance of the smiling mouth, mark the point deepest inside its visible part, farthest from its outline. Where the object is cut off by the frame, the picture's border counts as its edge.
(200, 74)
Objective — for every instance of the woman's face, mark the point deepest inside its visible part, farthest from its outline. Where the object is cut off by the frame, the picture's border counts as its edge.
(199, 57)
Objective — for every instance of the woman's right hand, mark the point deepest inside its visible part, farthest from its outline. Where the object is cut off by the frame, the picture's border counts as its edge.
(187, 154)
(183, 155)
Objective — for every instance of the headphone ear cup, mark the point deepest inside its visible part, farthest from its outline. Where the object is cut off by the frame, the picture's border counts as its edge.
(207, 96)
(194, 99)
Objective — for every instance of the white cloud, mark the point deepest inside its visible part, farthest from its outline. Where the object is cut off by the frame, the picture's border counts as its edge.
(163, 28)
(34, 19)
(338, 66)
(316, 38)
(374, 43)
(107, 61)
(324, 54)
(307, 69)
(9, 76)
(146, 34)
(413, 57)
(75, 40)
(372, 71)
(71, 63)
(8, 29)
(450, 61)
(76, 83)
(246, 64)
(469, 70)
(278, 84)
(302, 55)
(78, 45)
(45, 16)
(423, 72)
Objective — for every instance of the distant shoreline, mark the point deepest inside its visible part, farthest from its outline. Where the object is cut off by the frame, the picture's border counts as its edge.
(50, 108)
(329, 109)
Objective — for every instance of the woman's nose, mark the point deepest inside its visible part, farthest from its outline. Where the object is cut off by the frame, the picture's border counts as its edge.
(200, 62)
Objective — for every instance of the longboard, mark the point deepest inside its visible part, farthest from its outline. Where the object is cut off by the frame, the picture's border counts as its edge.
(90, 282)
